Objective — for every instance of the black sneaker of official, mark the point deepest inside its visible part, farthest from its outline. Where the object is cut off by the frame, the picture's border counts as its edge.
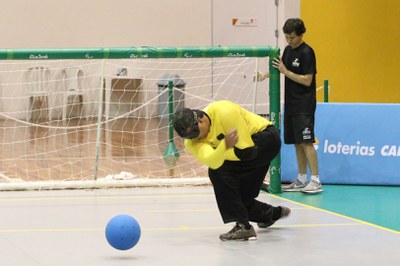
(285, 212)
(239, 233)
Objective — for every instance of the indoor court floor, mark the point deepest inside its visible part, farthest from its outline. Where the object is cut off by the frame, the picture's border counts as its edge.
(181, 226)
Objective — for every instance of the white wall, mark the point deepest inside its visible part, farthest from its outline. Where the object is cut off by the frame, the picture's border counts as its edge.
(103, 23)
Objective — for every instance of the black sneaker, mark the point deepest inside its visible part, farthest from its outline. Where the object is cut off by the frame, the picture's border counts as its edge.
(239, 233)
(284, 213)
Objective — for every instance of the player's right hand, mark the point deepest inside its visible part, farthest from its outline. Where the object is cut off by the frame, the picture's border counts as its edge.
(231, 138)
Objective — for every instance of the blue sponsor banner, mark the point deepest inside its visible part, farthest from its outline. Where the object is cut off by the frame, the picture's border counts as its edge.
(357, 144)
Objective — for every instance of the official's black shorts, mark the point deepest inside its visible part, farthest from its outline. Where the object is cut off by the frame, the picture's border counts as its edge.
(299, 129)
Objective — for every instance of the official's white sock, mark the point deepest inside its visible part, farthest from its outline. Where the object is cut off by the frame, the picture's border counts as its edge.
(315, 178)
(302, 178)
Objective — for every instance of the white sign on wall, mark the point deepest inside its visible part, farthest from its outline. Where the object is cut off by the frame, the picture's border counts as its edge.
(244, 22)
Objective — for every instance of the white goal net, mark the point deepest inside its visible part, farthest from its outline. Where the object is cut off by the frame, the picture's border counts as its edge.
(104, 122)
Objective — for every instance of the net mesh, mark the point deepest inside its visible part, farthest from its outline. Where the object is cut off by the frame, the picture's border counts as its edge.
(84, 123)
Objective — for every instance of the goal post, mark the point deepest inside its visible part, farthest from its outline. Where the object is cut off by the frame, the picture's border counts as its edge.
(79, 144)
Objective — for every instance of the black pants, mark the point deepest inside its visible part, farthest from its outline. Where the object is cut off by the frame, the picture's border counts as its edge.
(237, 183)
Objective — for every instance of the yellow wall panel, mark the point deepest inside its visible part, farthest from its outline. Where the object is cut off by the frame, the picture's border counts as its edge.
(357, 44)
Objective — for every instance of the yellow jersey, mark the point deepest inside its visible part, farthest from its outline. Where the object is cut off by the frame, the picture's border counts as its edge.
(225, 116)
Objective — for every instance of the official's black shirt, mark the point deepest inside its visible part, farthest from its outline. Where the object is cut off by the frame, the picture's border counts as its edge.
(300, 99)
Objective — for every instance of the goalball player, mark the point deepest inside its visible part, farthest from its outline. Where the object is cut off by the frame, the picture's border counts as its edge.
(237, 146)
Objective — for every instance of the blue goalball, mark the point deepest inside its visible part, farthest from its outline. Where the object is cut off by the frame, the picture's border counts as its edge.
(123, 232)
